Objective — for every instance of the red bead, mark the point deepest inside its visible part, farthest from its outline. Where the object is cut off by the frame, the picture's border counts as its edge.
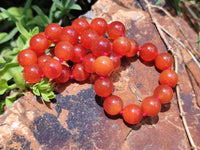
(101, 46)
(52, 31)
(80, 25)
(87, 37)
(134, 48)
(64, 50)
(164, 93)
(88, 63)
(151, 106)
(168, 77)
(116, 29)
(78, 72)
(69, 34)
(148, 52)
(99, 25)
(164, 61)
(103, 87)
(64, 77)
(27, 57)
(52, 69)
(79, 53)
(32, 73)
(121, 46)
(116, 60)
(39, 43)
(42, 60)
(103, 66)
(113, 105)
(132, 114)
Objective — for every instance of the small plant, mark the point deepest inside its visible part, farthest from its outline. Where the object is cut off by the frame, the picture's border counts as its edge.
(22, 24)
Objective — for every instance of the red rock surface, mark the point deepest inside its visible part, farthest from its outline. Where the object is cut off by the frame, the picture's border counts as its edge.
(77, 120)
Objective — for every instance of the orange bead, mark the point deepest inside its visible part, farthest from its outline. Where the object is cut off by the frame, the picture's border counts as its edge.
(168, 77)
(134, 48)
(151, 106)
(103, 66)
(132, 114)
(164, 93)
(163, 61)
(148, 52)
(103, 87)
(113, 105)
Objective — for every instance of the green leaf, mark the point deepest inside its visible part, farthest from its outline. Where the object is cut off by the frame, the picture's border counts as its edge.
(34, 31)
(75, 7)
(8, 14)
(16, 12)
(2, 103)
(36, 91)
(21, 42)
(2, 61)
(67, 4)
(44, 89)
(10, 99)
(51, 13)
(47, 96)
(58, 4)
(19, 80)
(9, 36)
(37, 20)
(41, 14)
(3, 86)
(9, 70)
(159, 2)
(27, 6)
(3, 35)
(23, 31)
(58, 14)
(89, 1)
(10, 55)
(178, 9)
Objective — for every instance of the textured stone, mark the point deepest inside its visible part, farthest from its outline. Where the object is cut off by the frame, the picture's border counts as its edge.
(77, 121)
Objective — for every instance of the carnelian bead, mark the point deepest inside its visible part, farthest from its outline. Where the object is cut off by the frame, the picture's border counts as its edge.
(164, 93)
(87, 37)
(148, 52)
(113, 105)
(151, 106)
(134, 48)
(52, 31)
(79, 53)
(32, 73)
(42, 60)
(116, 60)
(103, 87)
(64, 77)
(101, 46)
(121, 46)
(39, 43)
(168, 77)
(80, 25)
(69, 34)
(116, 29)
(78, 72)
(132, 114)
(163, 61)
(26, 57)
(88, 63)
(99, 25)
(64, 50)
(103, 66)
(52, 68)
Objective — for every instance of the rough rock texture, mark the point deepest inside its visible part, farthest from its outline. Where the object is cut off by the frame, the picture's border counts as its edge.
(77, 120)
